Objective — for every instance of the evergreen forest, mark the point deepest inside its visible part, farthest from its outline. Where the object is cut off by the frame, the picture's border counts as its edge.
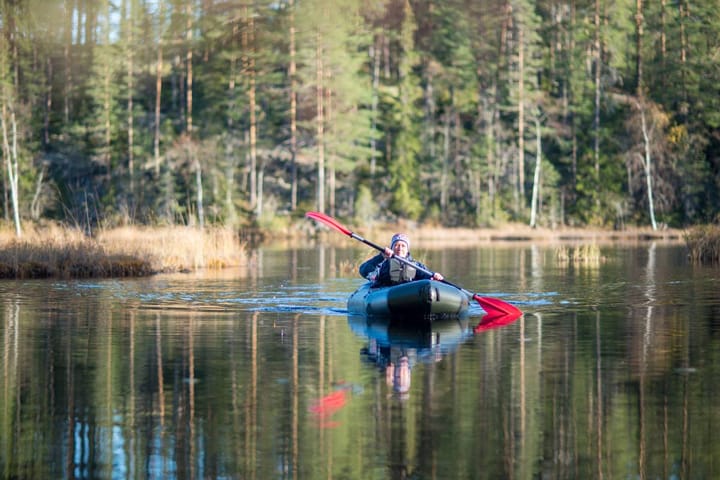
(452, 112)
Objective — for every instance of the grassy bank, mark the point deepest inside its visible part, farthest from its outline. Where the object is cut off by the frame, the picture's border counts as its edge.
(57, 251)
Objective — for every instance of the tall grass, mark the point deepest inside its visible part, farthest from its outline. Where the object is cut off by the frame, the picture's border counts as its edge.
(703, 244)
(57, 251)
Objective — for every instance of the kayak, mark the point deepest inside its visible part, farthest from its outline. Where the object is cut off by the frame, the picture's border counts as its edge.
(411, 299)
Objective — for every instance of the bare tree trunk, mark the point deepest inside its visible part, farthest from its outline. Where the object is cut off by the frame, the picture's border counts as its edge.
(536, 177)
(638, 46)
(331, 156)
(229, 154)
(521, 119)
(194, 160)
(684, 14)
(260, 184)
(68, 83)
(598, 67)
(293, 110)
(158, 89)
(253, 108)
(199, 186)
(48, 103)
(319, 72)
(10, 154)
(130, 85)
(107, 97)
(8, 98)
(647, 163)
(375, 54)
(249, 66)
(444, 171)
(189, 68)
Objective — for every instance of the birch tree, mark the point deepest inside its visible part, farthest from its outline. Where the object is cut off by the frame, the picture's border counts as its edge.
(9, 105)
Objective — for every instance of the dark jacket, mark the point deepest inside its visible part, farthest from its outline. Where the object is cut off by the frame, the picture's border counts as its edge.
(392, 271)
(369, 266)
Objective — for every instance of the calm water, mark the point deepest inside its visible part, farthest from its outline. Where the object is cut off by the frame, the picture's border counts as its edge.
(613, 372)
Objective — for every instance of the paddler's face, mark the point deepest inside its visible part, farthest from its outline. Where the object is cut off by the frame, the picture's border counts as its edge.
(400, 249)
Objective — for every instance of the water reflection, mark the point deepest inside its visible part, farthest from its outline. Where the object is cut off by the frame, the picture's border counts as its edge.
(613, 372)
(396, 344)
(395, 348)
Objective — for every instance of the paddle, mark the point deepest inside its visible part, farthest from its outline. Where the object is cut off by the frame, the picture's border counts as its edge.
(493, 306)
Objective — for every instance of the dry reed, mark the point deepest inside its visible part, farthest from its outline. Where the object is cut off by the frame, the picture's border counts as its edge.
(703, 244)
(57, 251)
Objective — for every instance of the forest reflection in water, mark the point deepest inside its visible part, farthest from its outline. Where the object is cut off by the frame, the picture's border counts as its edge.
(612, 372)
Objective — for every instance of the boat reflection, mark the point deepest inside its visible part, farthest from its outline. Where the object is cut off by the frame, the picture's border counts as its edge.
(395, 345)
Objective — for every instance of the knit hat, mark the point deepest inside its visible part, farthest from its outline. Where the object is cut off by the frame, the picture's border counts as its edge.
(400, 237)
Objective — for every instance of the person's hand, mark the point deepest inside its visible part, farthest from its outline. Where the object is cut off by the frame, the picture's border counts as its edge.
(438, 276)
(387, 253)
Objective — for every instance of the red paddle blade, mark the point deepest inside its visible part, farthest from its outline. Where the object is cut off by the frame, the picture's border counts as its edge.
(329, 221)
(495, 306)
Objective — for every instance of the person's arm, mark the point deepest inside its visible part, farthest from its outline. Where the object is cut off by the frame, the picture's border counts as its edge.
(369, 266)
(383, 276)
(420, 275)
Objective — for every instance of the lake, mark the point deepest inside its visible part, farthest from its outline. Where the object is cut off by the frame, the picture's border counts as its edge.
(613, 371)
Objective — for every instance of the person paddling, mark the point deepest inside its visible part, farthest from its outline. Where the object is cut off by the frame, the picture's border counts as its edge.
(384, 269)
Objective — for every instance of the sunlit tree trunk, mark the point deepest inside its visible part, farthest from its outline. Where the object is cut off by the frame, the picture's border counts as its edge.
(107, 95)
(638, 47)
(248, 41)
(521, 119)
(158, 88)
(292, 72)
(331, 156)
(10, 154)
(536, 177)
(130, 13)
(252, 98)
(67, 58)
(189, 67)
(320, 121)
(260, 186)
(445, 161)
(375, 57)
(597, 61)
(194, 159)
(683, 18)
(48, 102)
(647, 164)
(230, 122)
(8, 101)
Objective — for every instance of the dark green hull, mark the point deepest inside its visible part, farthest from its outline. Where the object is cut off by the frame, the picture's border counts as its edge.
(412, 299)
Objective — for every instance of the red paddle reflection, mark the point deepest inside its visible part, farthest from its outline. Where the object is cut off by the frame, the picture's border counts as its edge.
(495, 319)
(327, 406)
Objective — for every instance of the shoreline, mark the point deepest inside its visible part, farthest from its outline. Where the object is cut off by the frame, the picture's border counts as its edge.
(55, 251)
(438, 237)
